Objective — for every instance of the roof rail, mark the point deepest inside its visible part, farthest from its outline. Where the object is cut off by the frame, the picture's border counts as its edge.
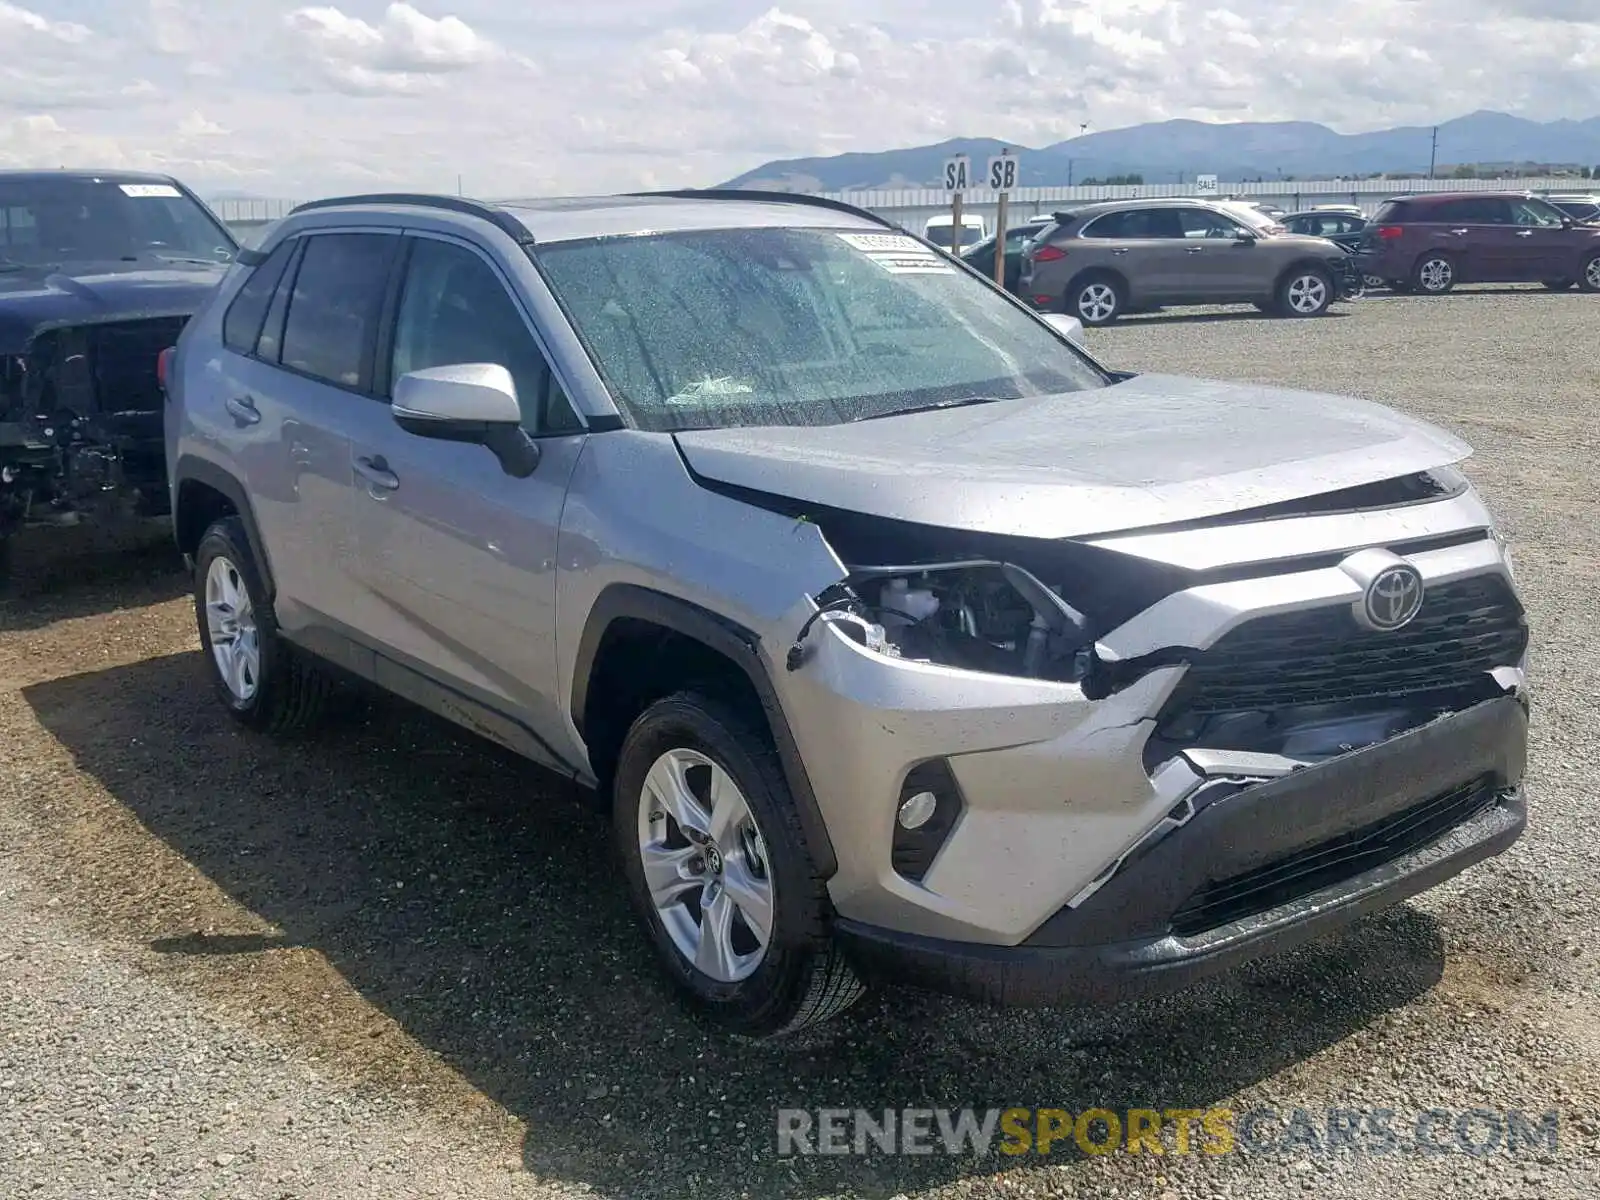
(498, 217)
(759, 195)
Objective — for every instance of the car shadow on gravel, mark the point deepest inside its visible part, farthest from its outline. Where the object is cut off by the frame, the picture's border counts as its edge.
(72, 573)
(1213, 318)
(462, 897)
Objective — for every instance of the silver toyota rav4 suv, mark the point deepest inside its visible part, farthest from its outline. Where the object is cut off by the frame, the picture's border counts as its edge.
(902, 640)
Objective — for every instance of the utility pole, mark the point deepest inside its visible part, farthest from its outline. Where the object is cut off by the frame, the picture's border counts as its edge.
(1433, 154)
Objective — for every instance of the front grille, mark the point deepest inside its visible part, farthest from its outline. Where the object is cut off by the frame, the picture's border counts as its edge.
(1322, 656)
(1332, 861)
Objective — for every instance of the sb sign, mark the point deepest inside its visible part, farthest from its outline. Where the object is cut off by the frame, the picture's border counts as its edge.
(957, 174)
(1003, 171)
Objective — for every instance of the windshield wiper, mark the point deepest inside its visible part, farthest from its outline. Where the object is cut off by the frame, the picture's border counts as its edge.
(958, 402)
(204, 262)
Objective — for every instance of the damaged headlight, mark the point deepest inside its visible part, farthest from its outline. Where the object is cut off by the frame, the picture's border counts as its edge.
(979, 615)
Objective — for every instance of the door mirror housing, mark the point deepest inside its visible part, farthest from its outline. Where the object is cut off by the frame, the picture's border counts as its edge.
(1245, 238)
(1069, 327)
(467, 402)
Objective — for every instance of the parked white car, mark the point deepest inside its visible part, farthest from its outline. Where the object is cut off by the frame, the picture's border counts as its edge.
(939, 230)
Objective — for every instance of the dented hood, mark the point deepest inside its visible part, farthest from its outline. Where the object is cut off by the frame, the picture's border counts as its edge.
(1152, 450)
(35, 299)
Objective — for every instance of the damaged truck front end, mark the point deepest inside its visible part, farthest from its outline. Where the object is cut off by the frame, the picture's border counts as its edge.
(81, 424)
(1086, 767)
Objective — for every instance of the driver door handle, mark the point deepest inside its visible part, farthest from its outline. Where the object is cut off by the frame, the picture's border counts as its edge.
(376, 472)
(1524, 233)
(1461, 232)
(1193, 249)
(1119, 250)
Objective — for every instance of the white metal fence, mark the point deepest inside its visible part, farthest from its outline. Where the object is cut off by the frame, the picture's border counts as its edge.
(910, 206)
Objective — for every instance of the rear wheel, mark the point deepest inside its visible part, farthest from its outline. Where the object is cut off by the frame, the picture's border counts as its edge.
(1305, 292)
(1096, 300)
(718, 869)
(1589, 281)
(1434, 275)
(264, 682)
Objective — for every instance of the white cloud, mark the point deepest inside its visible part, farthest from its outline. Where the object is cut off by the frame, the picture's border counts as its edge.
(16, 21)
(567, 98)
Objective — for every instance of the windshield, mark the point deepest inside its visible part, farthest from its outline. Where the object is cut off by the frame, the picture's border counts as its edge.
(46, 221)
(706, 329)
(939, 235)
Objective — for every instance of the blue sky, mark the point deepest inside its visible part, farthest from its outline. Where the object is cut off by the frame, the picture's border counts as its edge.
(279, 98)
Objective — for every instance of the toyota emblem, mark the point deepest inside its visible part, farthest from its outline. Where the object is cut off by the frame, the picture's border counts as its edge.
(1393, 597)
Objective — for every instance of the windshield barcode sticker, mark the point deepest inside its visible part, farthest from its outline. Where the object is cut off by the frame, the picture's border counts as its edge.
(151, 190)
(899, 254)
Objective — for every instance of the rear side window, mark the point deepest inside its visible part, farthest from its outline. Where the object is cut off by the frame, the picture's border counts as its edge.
(1471, 210)
(241, 324)
(1136, 223)
(335, 306)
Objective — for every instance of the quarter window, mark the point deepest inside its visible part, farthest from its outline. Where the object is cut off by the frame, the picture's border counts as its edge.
(334, 307)
(241, 324)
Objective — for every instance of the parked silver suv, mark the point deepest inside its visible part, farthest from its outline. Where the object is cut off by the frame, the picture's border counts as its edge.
(901, 638)
(1102, 260)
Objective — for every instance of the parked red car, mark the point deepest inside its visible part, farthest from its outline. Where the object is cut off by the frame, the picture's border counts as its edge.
(1430, 242)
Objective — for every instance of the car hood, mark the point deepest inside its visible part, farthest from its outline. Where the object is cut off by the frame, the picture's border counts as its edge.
(34, 299)
(1152, 450)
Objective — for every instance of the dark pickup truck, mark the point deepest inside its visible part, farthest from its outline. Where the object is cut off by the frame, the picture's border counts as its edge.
(99, 272)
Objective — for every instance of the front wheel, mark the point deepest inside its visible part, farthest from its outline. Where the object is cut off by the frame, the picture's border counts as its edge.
(1305, 293)
(1435, 274)
(1589, 281)
(1097, 300)
(718, 869)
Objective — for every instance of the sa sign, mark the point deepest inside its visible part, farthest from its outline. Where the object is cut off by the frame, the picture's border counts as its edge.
(1206, 185)
(957, 174)
(1003, 169)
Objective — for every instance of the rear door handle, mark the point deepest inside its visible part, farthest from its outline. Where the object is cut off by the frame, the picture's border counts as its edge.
(1524, 233)
(1119, 250)
(243, 410)
(376, 472)
(1193, 249)
(1461, 232)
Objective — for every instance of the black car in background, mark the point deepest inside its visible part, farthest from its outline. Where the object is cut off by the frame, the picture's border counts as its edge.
(981, 256)
(99, 271)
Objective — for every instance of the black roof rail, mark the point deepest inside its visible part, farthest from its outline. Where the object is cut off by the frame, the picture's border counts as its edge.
(767, 197)
(498, 217)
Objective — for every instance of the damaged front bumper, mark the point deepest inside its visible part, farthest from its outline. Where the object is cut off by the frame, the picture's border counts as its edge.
(1226, 743)
(1265, 869)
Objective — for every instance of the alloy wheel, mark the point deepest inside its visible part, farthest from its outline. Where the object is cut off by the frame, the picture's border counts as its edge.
(1097, 302)
(1436, 275)
(1308, 294)
(232, 630)
(1591, 273)
(705, 864)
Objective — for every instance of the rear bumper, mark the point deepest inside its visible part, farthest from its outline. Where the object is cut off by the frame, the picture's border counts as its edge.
(1261, 871)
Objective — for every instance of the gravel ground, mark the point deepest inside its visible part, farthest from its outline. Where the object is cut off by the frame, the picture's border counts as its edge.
(371, 964)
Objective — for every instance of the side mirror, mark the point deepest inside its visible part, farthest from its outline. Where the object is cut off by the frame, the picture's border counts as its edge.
(1069, 327)
(467, 402)
(1245, 238)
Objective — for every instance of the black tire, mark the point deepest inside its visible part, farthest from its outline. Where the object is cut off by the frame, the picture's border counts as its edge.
(803, 979)
(1304, 292)
(1557, 285)
(291, 691)
(1096, 291)
(1589, 277)
(1434, 274)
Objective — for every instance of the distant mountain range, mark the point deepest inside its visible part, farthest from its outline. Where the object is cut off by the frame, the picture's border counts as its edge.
(1175, 151)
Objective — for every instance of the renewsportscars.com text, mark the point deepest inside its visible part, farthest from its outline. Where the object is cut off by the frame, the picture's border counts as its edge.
(1176, 1131)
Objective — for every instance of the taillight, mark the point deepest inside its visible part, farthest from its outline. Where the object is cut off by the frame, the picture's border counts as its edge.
(1389, 232)
(163, 362)
(1048, 254)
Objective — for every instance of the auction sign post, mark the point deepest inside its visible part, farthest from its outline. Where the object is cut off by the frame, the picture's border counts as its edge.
(1004, 169)
(957, 178)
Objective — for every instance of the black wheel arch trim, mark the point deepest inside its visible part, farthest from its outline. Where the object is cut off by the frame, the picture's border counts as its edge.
(190, 469)
(733, 641)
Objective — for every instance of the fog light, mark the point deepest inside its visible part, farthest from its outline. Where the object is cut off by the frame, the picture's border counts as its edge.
(926, 814)
(918, 810)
